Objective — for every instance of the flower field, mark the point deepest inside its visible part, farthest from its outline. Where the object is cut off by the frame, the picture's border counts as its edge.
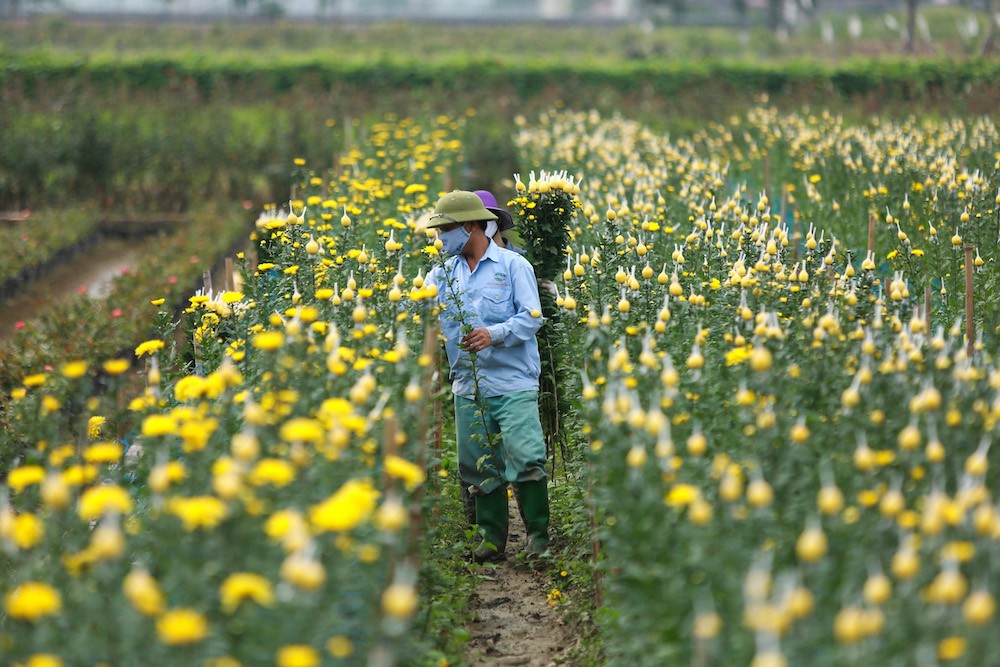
(789, 442)
(771, 400)
(259, 501)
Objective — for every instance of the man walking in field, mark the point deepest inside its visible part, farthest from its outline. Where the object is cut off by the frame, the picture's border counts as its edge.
(490, 313)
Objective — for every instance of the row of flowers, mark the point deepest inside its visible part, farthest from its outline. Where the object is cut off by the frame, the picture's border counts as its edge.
(262, 498)
(790, 446)
(34, 238)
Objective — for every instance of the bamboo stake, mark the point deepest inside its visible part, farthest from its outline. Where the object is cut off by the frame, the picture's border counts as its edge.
(871, 235)
(432, 382)
(795, 235)
(970, 327)
(595, 544)
(767, 174)
(389, 449)
(784, 201)
(927, 307)
(230, 281)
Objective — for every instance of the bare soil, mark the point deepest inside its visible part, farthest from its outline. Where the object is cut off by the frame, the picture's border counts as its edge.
(512, 620)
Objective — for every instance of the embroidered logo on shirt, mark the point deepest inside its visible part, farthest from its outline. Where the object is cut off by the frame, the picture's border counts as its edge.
(499, 280)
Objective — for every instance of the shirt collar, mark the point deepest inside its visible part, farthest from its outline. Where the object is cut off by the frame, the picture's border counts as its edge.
(493, 252)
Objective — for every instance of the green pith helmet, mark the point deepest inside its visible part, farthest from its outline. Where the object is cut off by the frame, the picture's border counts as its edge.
(459, 206)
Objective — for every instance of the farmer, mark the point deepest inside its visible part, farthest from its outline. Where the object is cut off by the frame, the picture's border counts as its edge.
(489, 316)
(504, 221)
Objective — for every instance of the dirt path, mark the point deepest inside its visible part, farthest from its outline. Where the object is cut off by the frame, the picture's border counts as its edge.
(513, 623)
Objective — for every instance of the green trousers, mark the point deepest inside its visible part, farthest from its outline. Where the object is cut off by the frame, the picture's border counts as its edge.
(499, 440)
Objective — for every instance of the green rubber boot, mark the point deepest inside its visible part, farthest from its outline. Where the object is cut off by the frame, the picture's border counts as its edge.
(534, 499)
(491, 515)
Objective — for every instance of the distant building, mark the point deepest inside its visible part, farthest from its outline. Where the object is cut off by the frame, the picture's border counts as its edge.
(361, 9)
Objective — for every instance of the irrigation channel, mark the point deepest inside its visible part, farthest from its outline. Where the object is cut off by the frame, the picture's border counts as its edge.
(91, 271)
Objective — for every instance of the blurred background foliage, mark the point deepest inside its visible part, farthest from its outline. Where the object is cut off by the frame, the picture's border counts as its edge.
(155, 115)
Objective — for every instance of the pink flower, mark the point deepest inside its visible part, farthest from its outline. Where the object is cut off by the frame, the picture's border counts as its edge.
(172, 280)
(247, 204)
(117, 312)
(19, 325)
(82, 289)
(194, 259)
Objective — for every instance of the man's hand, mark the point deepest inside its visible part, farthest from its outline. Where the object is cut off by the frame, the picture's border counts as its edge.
(477, 340)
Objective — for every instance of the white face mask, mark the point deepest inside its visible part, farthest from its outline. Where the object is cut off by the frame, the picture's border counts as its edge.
(452, 242)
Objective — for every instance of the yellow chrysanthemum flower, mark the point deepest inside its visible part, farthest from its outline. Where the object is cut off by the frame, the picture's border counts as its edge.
(74, 369)
(94, 425)
(143, 592)
(115, 366)
(399, 468)
(198, 511)
(302, 429)
(268, 340)
(27, 531)
(25, 476)
(149, 347)
(681, 495)
(44, 660)
(276, 472)
(181, 626)
(297, 655)
(351, 505)
(103, 452)
(244, 586)
(100, 500)
(32, 601)
(156, 425)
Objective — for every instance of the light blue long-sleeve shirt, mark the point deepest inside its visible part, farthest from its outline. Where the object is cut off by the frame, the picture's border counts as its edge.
(500, 295)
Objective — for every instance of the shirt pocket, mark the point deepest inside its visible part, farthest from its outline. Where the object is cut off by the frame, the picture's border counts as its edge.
(497, 305)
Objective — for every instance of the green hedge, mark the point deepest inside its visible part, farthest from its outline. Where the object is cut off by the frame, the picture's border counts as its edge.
(33, 73)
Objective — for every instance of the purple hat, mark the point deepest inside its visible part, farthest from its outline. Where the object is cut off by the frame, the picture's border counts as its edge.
(504, 221)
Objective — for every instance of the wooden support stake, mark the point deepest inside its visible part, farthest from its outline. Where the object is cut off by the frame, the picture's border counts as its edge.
(207, 281)
(230, 279)
(431, 382)
(767, 174)
(595, 543)
(871, 235)
(388, 449)
(927, 308)
(970, 326)
(795, 237)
